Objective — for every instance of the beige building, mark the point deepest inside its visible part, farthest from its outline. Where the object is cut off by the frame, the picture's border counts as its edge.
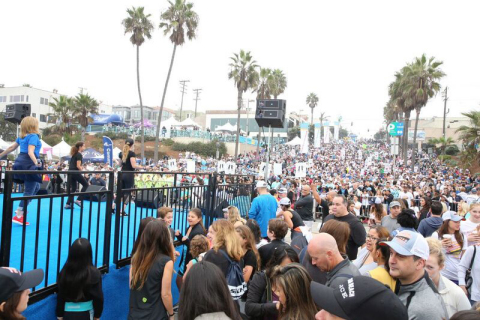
(433, 127)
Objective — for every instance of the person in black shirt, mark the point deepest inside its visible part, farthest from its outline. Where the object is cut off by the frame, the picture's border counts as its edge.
(277, 230)
(128, 162)
(75, 164)
(291, 217)
(251, 259)
(98, 180)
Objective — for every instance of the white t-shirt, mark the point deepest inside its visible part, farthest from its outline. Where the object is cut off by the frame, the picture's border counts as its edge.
(453, 254)
(466, 228)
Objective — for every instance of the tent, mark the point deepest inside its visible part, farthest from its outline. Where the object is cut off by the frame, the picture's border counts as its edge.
(3, 144)
(61, 150)
(227, 127)
(295, 142)
(146, 124)
(170, 123)
(90, 155)
(190, 123)
(45, 147)
(235, 129)
(116, 151)
(103, 119)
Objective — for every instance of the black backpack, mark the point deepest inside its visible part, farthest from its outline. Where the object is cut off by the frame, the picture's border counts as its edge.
(236, 282)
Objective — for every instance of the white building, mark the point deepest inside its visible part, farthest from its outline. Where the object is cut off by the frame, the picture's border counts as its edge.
(37, 98)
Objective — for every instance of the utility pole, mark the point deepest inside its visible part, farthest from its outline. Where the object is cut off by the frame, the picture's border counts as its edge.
(183, 90)
(197, 92)
(445, 98)
(81, 89)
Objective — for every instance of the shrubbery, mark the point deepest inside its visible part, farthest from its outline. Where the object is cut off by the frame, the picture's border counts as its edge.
(452, 150)
(204, 149)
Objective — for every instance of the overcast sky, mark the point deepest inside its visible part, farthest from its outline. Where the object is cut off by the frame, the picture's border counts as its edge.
(345, 51)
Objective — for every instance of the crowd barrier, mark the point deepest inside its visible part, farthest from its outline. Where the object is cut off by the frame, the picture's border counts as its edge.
(45, 242)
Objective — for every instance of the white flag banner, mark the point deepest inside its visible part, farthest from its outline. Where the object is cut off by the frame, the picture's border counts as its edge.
(336, 132)
(172, 164)
(359, 156)
(277, 169)
(310, 163)
(190, 166)
(326, 134)
(301, 170)
(230, 167)
(342, 154)
(221, 166)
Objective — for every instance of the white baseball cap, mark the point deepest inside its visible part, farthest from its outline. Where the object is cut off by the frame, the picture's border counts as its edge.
(409, 243)
(451, 215)
(261, 184)
(284, 201)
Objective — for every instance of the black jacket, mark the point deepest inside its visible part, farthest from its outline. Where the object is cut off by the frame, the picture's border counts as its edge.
(266, 251)
(304, 207)
(197, 229)
(257, 306)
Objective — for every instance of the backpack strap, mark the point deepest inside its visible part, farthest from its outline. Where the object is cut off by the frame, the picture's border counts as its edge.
(226, 255)
(268, 288)
(473, 258)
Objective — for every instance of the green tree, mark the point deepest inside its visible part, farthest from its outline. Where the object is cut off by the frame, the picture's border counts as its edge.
(278, 83)
(139, 25)
(443, 142)
(312, 101)
(243, 72)
(323, 117)
(264, 84)
(176, 21)
(8, 130)
(470, 136)
(62, 112)
(84, 106)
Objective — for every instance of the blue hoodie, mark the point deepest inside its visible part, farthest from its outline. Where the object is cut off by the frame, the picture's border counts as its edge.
(429, 225)
(264, 207)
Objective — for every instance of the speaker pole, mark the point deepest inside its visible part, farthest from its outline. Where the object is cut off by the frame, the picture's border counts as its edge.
(269, 148)
(18, 135)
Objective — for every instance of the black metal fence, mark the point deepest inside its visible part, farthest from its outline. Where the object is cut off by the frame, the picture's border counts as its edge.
(53, 227)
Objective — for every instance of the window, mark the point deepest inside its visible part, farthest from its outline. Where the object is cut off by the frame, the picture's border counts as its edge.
(27, 99)
(43, 118)
(103, 111)
(16, 98)
(34, 115)
(42, 101)
(3, 99)
(46, 102)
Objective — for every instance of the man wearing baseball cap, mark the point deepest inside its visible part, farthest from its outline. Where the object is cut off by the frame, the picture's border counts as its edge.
(359, 298)
(408, 254)
(263, 208)
(14, 282)
(390, 222)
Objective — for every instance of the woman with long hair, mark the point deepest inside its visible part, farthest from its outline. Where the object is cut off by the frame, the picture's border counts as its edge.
(127, 159)
(75, 164)
(454, 298)
(195, 227)
(141, 228)
(80, 294)
(28, 159)
(232, 214)
(151, 274)
(365, 260)
(262, 301)
(453, 244)
(292, 286)
(381, 254)
(205, 295)
(251, 258)
(257, 234)
(425, 205)
(377, 212)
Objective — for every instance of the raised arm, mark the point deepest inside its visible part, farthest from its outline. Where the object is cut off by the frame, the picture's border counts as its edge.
(12, 147)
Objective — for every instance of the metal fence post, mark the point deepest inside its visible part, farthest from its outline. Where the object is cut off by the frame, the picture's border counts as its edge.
(108, 221)
(212, 186)
(6, 239)
(118, 210)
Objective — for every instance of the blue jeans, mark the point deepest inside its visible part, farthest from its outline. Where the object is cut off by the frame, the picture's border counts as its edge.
(30, 189)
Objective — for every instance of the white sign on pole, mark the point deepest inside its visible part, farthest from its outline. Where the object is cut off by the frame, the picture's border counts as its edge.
(172, 164)
(277, 169)
(336, 132)
(230, 167)
(190, 166)
(342, 154)
(359, 154)
(326, 134)
(301, 170)
(221, 166)
(310, 162)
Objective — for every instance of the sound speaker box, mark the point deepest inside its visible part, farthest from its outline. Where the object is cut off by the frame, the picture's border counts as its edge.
(16, 112)
(45, 188)
(149, 199)
(96, 197)
(271, 113)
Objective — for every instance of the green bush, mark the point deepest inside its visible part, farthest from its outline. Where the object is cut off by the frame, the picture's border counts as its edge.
(112, 135)
(146, 138)
(452, 150)
(168, 142)
(204, 149)
(52, 139)
(444, 157)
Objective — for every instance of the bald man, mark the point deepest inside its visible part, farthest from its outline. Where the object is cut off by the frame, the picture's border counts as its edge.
(325, 255)
(304, 206)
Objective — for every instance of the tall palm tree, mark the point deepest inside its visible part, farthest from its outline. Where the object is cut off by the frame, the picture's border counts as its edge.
(323, 117)
(243, 72)
(85, 105)
(312, 101)
(178, 17)
(139, 25)
(62, 111)
(279, 83)
(421, 84)
(470, 136)
(264, 84)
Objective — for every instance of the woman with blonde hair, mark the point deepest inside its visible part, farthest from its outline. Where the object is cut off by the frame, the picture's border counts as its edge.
(232, 214)
(128, 162)
(28, 159)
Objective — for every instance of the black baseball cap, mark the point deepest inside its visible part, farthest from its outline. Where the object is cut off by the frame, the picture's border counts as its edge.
(359, 298)
(12, 281)
(129, 141)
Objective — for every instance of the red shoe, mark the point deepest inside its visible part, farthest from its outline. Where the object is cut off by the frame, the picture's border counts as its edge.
(19, 221)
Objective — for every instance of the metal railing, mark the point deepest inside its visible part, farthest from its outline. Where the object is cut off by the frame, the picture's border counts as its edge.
(53, 228)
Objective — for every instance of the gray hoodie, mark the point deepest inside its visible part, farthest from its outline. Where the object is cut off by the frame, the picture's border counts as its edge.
(422, 300)
(429, 225)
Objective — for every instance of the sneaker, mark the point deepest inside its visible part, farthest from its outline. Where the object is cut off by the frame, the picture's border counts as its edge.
(78, 203)
(124, 214)
(67, 206)
(19, 220)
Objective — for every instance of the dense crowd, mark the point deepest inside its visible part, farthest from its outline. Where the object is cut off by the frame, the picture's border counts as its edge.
(394, 242)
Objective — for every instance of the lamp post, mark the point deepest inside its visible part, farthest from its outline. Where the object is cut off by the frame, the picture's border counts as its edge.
(218, 152)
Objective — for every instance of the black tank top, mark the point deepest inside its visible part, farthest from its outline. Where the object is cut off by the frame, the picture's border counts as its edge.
(296, 219)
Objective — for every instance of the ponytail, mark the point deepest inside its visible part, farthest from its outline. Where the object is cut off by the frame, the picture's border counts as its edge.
(125, 151)
(74, 150)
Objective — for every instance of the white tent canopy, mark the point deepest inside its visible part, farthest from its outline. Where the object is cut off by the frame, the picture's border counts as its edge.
(190, 123)
(3, 144)
(227, 127)
(61, 150)
(295, 142)
(235, 129)
(170, 123)
(116, 151)
(44, 145)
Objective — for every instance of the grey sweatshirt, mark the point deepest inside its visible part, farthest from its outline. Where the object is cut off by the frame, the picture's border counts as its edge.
(422, 300)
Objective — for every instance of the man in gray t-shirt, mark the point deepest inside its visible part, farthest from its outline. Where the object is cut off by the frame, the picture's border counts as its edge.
(390, 221)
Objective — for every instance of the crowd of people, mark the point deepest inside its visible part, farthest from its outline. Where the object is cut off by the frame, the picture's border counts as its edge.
(393, 242)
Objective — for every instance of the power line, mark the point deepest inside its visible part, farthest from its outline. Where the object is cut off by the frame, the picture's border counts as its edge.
(183, 90)
(197, 92)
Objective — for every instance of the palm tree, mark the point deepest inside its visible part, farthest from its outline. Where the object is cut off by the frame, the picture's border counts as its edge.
(245, 76)
(421, 84)
(470, 136)
(279, 83)
(84, 106)
(443, 142)
(264, 84)
(62, 111)
(174, 21)
(323, 117)
(312, 101)
(140, 27)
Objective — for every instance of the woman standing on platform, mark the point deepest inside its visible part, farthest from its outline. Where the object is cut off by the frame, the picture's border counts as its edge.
(28, 159)
(128, 162)
(75, 164)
